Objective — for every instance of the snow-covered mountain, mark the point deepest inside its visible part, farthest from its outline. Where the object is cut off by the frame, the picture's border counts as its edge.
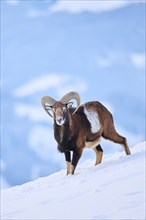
(114, 189)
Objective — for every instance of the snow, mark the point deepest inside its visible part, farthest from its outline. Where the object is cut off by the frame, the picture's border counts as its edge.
(114, 189)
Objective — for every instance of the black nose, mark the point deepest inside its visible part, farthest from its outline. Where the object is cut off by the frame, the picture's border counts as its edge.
(59, 120)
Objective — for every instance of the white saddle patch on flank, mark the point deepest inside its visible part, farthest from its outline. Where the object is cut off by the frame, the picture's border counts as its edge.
(93, 118)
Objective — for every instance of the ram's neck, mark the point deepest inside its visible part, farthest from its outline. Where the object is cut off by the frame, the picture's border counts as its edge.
(62, 133)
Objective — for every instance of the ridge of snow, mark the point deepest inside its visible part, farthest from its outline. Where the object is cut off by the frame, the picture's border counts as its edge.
(115, 189)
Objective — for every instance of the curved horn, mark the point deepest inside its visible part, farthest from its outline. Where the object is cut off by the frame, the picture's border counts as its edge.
(71, 95)
(47, 100)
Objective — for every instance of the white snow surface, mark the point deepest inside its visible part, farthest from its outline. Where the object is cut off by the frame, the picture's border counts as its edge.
(115, 189)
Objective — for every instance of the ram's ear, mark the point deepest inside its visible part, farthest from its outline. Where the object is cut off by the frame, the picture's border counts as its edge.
(69, 104)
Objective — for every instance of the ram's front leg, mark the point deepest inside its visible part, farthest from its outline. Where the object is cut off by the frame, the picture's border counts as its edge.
(68, 162)
(76, 156)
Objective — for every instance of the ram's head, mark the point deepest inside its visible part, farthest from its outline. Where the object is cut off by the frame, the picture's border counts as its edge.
(58, 109)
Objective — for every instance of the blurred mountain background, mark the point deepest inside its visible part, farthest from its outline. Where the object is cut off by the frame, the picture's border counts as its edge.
(96, 48)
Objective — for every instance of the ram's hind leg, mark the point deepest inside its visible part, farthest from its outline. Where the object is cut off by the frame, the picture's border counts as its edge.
(99, 153)
(116, 138)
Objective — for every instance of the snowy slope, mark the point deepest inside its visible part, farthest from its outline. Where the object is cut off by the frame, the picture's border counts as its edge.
(113, 190)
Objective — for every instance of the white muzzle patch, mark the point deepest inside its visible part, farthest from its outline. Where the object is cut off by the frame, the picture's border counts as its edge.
(60, 121)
